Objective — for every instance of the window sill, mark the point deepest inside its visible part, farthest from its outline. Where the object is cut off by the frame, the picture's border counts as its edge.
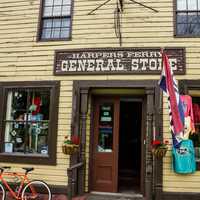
(55, 40)
(187, 36)
(27, 158)
(26, 155)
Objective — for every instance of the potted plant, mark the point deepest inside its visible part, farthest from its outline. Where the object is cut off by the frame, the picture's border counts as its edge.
(70, 145)
(159, 149)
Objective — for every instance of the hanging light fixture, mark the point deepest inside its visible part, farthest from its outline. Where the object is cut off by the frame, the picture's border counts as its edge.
(117, 14)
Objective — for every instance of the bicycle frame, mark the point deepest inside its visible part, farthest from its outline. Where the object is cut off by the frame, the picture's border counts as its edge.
(24, 179)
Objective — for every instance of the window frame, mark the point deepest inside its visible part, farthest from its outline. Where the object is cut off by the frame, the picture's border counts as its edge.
(175, 22)
(40, 25)
(49, 159)
(184, 87)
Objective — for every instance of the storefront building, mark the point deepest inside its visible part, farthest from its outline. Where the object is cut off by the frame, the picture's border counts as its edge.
(91, 68)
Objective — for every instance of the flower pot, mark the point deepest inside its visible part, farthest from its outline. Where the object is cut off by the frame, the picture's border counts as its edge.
(69, 149)
(159, 152)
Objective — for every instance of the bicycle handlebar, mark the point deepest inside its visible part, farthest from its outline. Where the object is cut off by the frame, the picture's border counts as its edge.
(3, 168)
(27, 169)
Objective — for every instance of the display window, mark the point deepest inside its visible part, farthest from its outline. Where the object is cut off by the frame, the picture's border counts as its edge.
(192, 88)
(29, 121)
(195, 137)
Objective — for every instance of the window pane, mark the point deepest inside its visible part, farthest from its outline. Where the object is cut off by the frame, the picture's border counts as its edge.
(38, 135)
(47, 23)
(191, 29)
(181, 29)
(15, 135)
(181, 5)
(48, 11)
(66, 2)
(16, 104)
(66, 22)
(66, 10)
(181, 18)
(46, 33)
(58, 2)
(192, 4)
(198, 2)
(56, 33)
(65, 33)
(57, 10)
(105, 138)
(192, 17)
(196, 30)
(48, 2)
(57, 23)
(27, 119)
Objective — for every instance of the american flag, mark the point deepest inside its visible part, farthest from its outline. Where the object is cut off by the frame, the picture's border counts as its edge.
(176, 113)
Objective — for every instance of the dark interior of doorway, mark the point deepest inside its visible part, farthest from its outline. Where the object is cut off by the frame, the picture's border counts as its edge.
(129, 170)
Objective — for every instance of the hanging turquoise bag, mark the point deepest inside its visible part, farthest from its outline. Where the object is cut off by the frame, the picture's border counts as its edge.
(184, 158)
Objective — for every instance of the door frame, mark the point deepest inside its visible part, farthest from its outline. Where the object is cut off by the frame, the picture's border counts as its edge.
(153, 167)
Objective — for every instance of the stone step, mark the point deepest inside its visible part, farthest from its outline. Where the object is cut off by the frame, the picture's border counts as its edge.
(115, 196)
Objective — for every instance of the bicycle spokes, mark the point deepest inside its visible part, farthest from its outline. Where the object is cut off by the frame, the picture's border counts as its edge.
(2, 192)
(29, 196)
(36, 190)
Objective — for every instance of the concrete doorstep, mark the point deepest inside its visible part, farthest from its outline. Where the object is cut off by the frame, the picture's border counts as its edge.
(64, 197)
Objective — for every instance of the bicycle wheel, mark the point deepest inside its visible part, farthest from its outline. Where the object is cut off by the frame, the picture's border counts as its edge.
(2, 192)
(38, 190)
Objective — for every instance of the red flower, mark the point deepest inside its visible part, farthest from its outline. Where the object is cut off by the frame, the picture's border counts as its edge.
(156, 142)
(166, 142)
(75, 139)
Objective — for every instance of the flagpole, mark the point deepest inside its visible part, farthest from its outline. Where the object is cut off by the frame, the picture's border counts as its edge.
(162, 55)
(154, 130)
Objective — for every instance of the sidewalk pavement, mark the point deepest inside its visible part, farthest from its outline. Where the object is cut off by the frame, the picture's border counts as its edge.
(55, 197)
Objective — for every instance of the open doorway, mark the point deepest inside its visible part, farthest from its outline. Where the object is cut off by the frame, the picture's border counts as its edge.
(130, 134)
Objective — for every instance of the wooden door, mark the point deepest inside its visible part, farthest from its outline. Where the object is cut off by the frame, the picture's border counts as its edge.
(105, 147)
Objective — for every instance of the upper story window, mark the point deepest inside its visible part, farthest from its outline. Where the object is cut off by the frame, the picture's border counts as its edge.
(188, 18)
(55, 22)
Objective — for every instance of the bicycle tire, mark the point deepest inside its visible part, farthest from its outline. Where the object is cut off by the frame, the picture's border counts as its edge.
(40, 187)
(2, 192)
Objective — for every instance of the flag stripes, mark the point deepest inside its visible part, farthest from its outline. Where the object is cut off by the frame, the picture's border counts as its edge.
(176, 114)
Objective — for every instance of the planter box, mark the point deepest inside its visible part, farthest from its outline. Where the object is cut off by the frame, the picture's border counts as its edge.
(70, 149)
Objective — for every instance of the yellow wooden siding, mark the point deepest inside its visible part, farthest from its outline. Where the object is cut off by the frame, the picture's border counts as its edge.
(24, 59)
(172, 181)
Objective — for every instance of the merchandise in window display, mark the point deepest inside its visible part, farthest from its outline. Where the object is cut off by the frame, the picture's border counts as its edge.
(35, 107)
(8, 147)
(17, 133)
(196, 137)
(27, 120)
(188, 110)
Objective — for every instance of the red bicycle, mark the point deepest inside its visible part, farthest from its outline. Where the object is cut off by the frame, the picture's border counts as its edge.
(25, 189)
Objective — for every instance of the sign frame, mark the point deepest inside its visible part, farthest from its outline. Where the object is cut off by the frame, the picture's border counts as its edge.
(172, 52)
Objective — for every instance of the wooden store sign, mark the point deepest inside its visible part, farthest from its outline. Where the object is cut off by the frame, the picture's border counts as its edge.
(117, 61)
